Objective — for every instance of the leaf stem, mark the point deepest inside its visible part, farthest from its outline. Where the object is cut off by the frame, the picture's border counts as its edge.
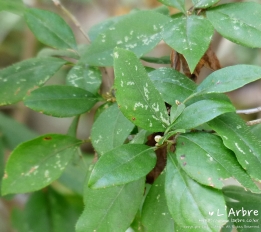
(249, 111)
(71, 16)
(254, 122)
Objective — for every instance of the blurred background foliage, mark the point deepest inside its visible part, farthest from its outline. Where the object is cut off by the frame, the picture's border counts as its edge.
(18, 124)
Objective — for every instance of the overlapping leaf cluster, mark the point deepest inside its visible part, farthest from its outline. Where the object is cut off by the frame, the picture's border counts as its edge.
(206, 141)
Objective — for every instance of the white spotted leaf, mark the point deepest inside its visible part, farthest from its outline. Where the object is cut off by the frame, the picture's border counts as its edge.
(122, 165)
(229, 78)
(238, 22)
(136, 95)
(237, 136)
(50, 29)
(110, 130)
(129, 33)
(21, 78)
(61, 101)
(206, 152)
(188, 205)
(38, 162)
(190, 36)
(203, 4)
(85, 77)
(179, 4)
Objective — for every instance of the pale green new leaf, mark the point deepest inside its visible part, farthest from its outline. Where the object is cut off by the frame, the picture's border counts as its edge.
(85, 77)
(179, 4)
(190, 36)
(187, 199)
(111, 209)
(204, 157)
(50, 29)
(122, 165)
(21, 78)
(38, 162)
(155, 213)
(129, 33)
(136, 95)
(238, 22)
(110, 130)
(237, 136)
(61, 101)
(194, 115)
(229, 78)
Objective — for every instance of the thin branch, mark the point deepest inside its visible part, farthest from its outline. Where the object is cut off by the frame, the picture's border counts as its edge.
(254, 122)
(70, 15)
(249, 111)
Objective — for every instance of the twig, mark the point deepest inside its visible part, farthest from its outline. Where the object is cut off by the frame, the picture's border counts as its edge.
(70, 15)
(254, 122)
(249, 111)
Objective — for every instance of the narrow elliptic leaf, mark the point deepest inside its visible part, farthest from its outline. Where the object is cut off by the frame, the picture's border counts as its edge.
(111, 209)
(238, 22)
(256, 130)
(85, 77)
(157, 60)
(110, 130)
(179, 4)
(16, 7)
(50, 29)
(136, 95)
(176, 111)
(229, 78)
(47, 52)
(54, 212)
(61, 101)
(201, 112)
(141, 137)
(172, 84)
(122, 165)
(203, 4)
(243, 208)
(21, 78)
(38, 162)
(205, 159)
(129, 34)
(155, 212)
(237, 136)
(190, 36)
(187, 199)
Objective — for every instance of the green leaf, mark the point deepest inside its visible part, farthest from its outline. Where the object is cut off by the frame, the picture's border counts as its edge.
(47, 52)
(256, 130)
(156, 60)
(72, 131)
(203, 4)
(14, 132)
(50, 29)
(122, 165)
(141, 137)
(243, 208)
(155, 212)
(50, 211)
(201, 112)
(16, 7)
(175, 112)
(229, 78)
(172, 84)
(110, 130)
(111, 209)
(190, 36)
(129, 34)
(61, 101)
(85, 77)
(238, 22)
(136, 95)
(2, 161)
(38, 162)
(21, 78)
(212, 163)
(237, 137)
(19, 223)
(191, 204)
(179, 4)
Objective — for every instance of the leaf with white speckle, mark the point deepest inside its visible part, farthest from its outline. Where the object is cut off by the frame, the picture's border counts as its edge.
(110, 130)
(203, 4)
(205, 159)
(190, 36)
(38, 162)
(237, 136)
(21, 78)
(129, 33)
(85, 77)
(136, 95)
(238, 22)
